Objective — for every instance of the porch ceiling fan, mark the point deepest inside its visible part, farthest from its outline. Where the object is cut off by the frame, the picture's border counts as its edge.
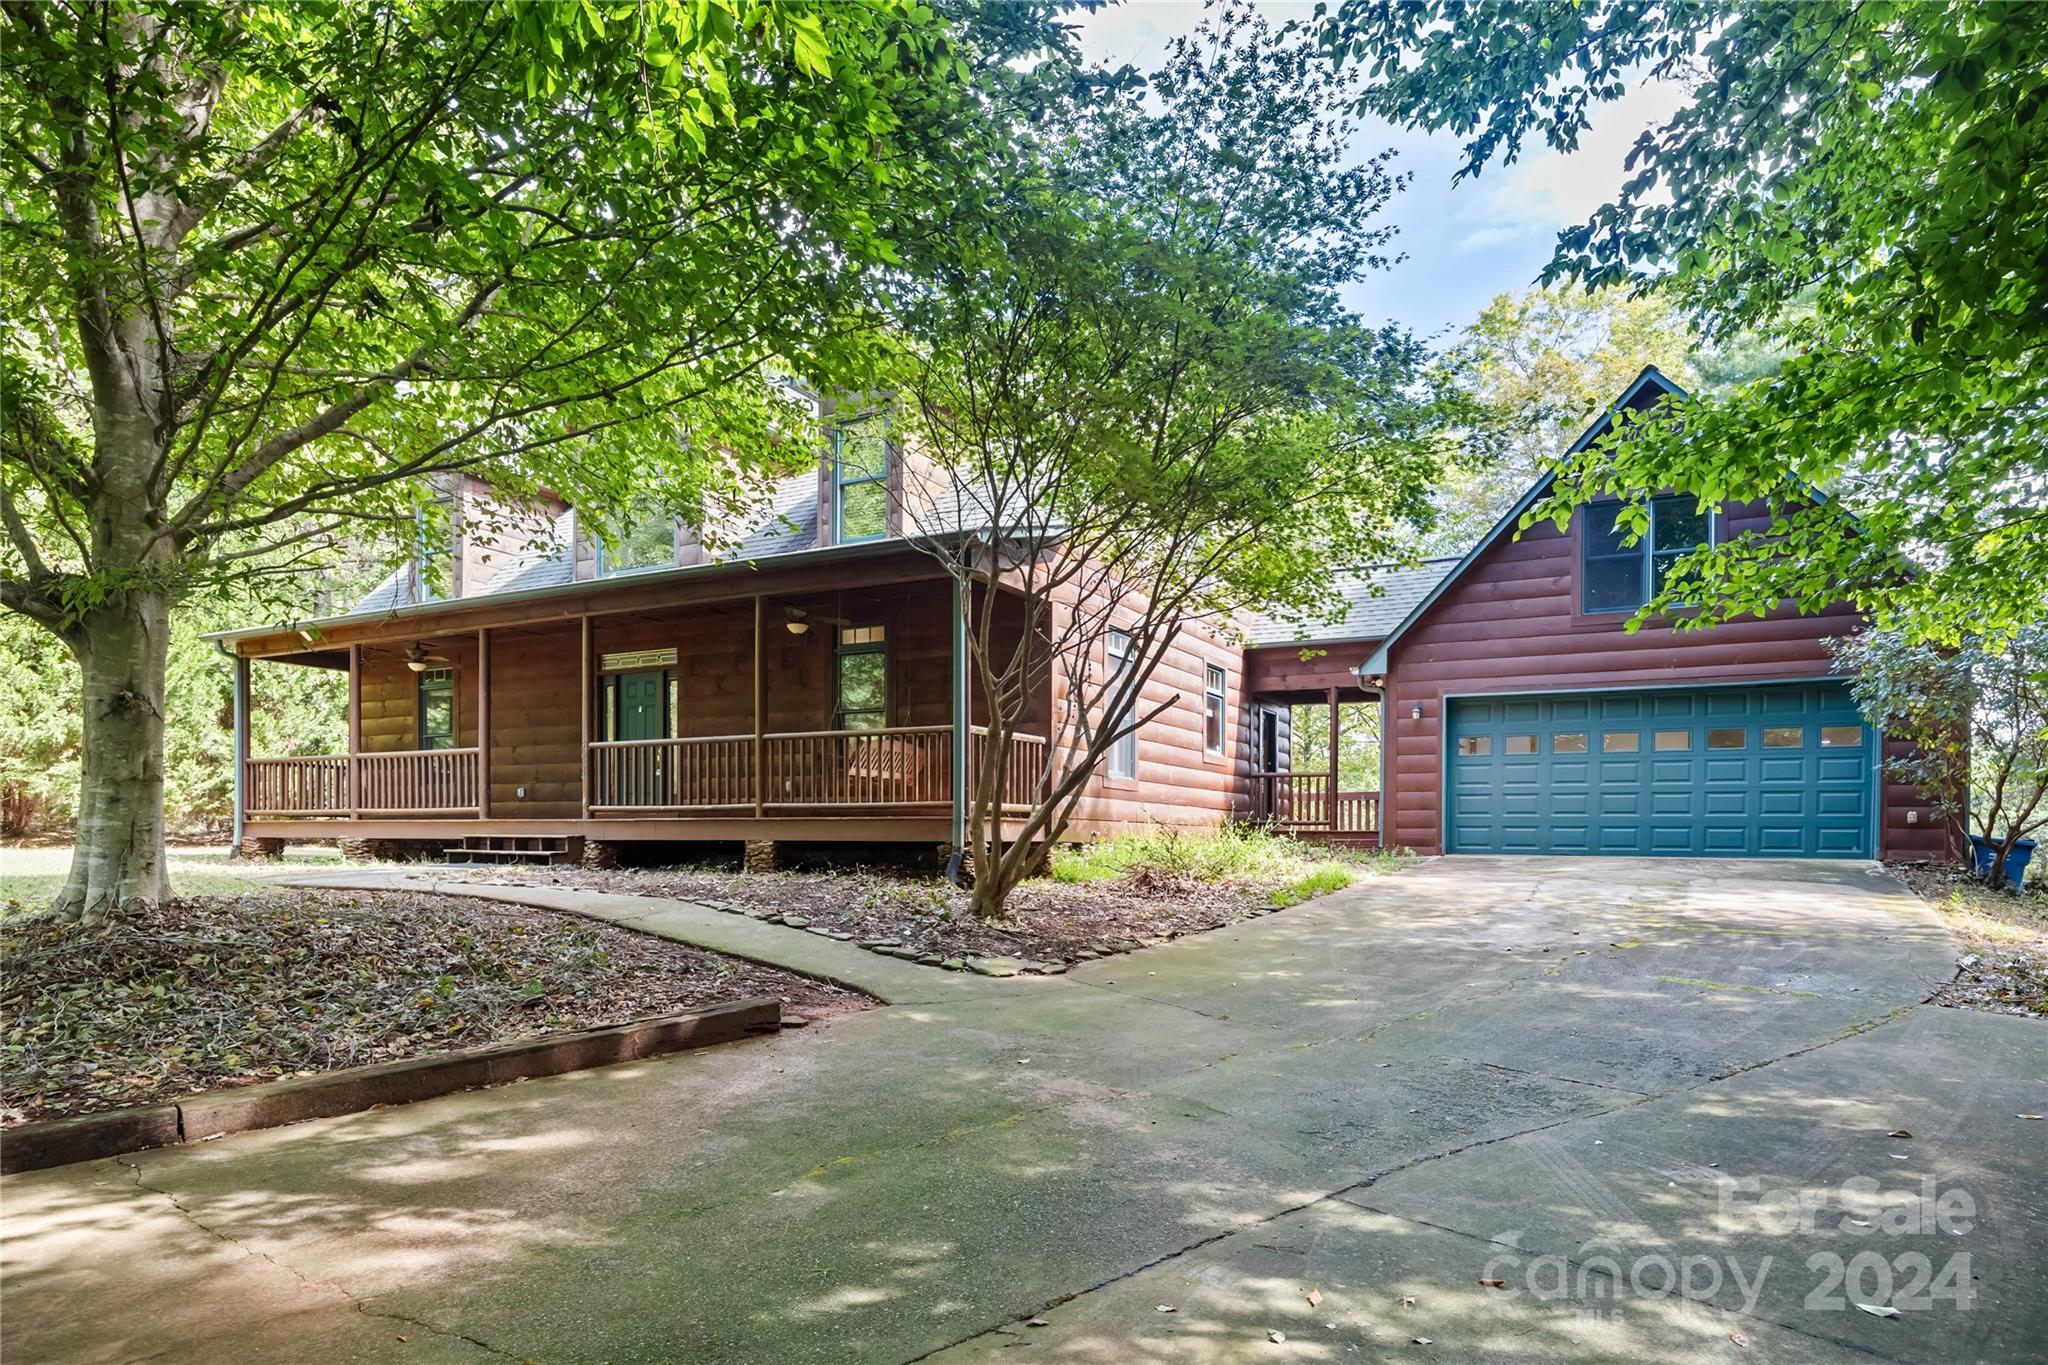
(800, 621)
(419, 661)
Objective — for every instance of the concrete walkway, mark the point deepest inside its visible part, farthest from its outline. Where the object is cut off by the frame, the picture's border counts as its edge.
(1518, 1070)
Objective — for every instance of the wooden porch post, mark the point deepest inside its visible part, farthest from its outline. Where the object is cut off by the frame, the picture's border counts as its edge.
(583, 711)
(1333, 760)
(355, 730)
(760, 776)
(483, 723)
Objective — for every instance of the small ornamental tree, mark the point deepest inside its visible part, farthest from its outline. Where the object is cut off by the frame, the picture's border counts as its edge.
(1977, 717)
(273, 268)
(1146, 409)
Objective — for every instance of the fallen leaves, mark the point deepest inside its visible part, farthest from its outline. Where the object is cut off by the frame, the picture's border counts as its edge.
(1898, 1133)
(1494, 1284)
(1314, 1297)
(1738, 1338)
(216, 991)
(1879, 1310)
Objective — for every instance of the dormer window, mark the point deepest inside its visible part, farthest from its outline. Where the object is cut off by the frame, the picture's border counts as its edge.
(647, 542)
(1614, 576)
(860, 481)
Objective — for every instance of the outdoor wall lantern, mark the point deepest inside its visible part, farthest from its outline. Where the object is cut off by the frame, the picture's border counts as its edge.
(1415, 711)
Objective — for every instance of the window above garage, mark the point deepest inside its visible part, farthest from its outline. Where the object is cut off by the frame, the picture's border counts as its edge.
(1615, 576)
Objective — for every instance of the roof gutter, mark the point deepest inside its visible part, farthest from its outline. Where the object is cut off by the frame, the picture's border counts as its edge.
(830, 554)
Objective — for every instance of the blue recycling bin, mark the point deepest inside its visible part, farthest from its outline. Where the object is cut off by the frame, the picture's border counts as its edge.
(2015, 861)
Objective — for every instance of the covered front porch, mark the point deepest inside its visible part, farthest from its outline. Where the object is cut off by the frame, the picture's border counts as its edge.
(1308, 723)
(796, 715)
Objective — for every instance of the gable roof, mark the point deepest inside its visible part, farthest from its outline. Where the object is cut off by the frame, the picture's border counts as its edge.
(1376, 599)
(1651, 381)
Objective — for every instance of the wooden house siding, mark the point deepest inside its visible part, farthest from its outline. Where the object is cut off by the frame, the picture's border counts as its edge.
(1510, 623)
(1178, 784)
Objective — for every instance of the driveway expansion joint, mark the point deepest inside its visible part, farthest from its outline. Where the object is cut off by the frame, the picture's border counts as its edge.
(353, 1300)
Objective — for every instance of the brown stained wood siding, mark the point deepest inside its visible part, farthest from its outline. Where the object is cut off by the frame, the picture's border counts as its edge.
(1510, 623)
(534, 727)
(391, 693)
(1281, 668)
(1178, 785)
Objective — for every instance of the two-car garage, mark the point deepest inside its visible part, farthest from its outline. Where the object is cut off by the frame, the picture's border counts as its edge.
(1772, 771)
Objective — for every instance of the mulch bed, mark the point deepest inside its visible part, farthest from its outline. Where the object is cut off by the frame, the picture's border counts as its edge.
(2001, 938)
(222, 991)
(1047, 921)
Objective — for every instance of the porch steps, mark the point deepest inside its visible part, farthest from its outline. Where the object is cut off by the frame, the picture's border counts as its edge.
(541, 850)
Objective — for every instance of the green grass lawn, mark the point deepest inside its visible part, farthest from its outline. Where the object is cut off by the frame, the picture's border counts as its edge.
(31, 876)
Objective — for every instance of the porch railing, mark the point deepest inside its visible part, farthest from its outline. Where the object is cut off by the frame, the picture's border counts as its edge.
(316, 785)
(638, 775)
(1307, 801)
(1023, 776)
(420, 782)
(901, 766)
(904, 765)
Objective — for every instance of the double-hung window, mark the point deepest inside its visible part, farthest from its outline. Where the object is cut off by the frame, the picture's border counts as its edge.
(1212, 712)
(860, 679)
(860, 480)
(433, 563)
(1615, 576)
(437, 708)
(1123, 750)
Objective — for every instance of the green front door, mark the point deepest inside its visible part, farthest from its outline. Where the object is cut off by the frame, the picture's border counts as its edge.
(641, 703)
(640, 711)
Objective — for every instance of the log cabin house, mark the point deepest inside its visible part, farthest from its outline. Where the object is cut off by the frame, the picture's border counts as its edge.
(805, 686)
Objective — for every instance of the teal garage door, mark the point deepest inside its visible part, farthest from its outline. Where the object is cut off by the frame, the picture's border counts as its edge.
(1759, 772)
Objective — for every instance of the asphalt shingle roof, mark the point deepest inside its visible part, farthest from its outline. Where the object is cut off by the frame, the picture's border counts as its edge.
(1376, 600)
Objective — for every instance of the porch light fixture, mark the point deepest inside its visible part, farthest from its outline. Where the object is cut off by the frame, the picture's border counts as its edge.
(417, 658)
(1415, 711)
(797, 623)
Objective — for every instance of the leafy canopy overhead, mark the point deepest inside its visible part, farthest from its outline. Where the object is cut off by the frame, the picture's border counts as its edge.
(1156, 340)
(271, 263)
(1537, 368)
(1147, 383)
(1886, 162)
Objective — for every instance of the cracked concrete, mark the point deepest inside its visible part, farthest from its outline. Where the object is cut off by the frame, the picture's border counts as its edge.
(1476, 1066)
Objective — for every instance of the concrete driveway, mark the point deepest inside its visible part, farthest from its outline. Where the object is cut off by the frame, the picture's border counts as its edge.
(1651, 1100)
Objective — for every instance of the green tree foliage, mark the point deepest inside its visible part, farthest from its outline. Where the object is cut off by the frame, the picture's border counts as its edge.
(1977, 716)
(292, 711)
(1154, 406)
(1539, 367)
(270, 265)
(1887, 162)
(1358, 743)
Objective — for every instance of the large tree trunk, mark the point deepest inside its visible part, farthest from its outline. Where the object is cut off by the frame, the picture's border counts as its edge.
(118, 863)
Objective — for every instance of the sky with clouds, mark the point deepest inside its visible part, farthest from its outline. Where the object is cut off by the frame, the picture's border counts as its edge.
(1465, 243)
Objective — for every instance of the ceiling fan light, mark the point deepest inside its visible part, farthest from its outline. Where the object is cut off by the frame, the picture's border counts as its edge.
(799, 627)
